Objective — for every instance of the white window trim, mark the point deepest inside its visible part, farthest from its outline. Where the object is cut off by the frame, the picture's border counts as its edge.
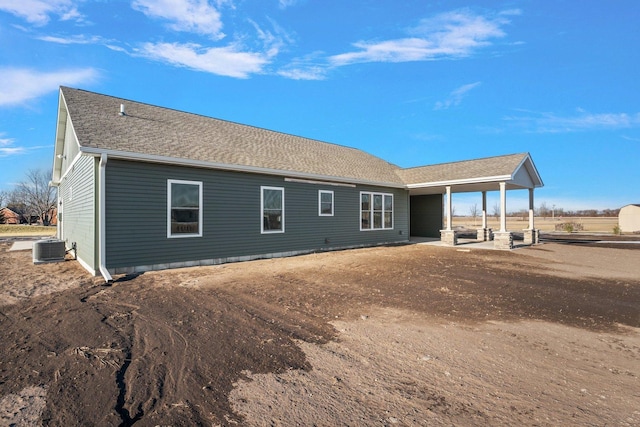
(320, 193)
(180, 236)
(393, 215)
(262, 230)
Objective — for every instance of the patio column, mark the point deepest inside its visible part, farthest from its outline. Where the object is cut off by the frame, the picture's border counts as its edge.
(531, 235)
(503, 239)
(448, 235)
(449, 208)
(503, 207)
(484, 209)
(484, 233)
(531, 207)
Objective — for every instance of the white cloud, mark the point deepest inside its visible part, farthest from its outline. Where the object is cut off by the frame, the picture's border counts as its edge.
(225, 61)
(7, 149)
(456, 96)
(304, 73)
(196, 16)
(18, 85)
(583, 121)
(286, 3)
(454, 34)
(38, 12)
(77, 39)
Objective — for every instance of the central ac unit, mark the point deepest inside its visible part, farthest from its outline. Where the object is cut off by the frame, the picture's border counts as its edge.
(50, 250)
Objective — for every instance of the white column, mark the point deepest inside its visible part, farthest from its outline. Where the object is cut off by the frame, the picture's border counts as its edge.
(449, 208)
(484, 209)
(531, 207)
(503, 206)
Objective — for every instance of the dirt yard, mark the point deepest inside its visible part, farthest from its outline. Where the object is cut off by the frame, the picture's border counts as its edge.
(389, 336)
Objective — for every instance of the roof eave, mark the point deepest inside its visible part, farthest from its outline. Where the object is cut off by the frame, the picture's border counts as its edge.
(61, 122)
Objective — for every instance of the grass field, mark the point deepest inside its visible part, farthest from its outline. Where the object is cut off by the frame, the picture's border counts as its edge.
(596, 224)
(590, 224)
(25, 230)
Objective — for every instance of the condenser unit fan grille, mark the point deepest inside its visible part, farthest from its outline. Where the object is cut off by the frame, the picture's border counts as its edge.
(50, 250)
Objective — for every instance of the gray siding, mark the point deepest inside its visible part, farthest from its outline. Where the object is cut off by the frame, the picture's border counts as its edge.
(78, 194)
(136, 216)
(426, 215)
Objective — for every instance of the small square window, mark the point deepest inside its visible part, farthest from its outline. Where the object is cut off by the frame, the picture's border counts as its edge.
(325, 203)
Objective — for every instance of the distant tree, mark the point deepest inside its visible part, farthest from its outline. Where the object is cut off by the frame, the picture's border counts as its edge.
(610, 212)
(4, 196)
(496, 210)
(543, 210)
(37, 197)
(1, 216)
(473, 211)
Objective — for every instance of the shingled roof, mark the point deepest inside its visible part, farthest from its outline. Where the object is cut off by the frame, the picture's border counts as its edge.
(464, 170)
(151, 133)
(163, 133)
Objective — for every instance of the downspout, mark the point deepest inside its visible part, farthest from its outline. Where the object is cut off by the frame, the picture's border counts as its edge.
(102, 226)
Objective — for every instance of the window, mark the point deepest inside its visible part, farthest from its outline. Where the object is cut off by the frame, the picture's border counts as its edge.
(325, 203)
(272, 208)
(184, 208)
(376, 211)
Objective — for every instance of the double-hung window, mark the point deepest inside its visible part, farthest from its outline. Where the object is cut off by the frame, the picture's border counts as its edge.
(376, 211)
(184, 208)
(325, 203)
(272, 209)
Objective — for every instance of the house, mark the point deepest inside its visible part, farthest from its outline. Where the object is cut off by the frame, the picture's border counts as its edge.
(141, 187)
(629, 219)
(11, 217)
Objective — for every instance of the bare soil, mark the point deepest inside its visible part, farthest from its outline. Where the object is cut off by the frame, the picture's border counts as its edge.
(405, 335)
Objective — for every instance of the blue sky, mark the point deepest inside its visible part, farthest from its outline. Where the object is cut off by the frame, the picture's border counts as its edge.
(413, 82)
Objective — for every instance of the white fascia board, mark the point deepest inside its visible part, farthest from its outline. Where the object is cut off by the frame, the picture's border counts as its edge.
(59, 142)
(125, 155)
(533, 167)
(480, 180)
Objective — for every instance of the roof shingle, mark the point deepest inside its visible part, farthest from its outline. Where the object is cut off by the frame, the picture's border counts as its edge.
(156, 131)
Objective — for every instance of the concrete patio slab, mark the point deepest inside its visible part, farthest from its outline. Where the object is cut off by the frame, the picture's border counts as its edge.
(22, 245)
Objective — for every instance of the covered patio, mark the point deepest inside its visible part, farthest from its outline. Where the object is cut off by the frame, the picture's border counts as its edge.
(430, 184)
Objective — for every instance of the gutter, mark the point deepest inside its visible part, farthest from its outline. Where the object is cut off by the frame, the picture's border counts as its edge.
(102, 248)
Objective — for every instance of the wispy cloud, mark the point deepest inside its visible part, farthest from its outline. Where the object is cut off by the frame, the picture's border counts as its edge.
(231, 60)
(196, 16)
(580, 122)
(75, 39)
(309, 67)
(455, 34)
(7, 149)
(39, 12)
(286, 3)
(630, 138)
(456, 96)
(18, 85)
(224, 61)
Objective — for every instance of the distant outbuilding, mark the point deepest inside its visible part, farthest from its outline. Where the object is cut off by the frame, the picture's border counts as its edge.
(629, 219)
